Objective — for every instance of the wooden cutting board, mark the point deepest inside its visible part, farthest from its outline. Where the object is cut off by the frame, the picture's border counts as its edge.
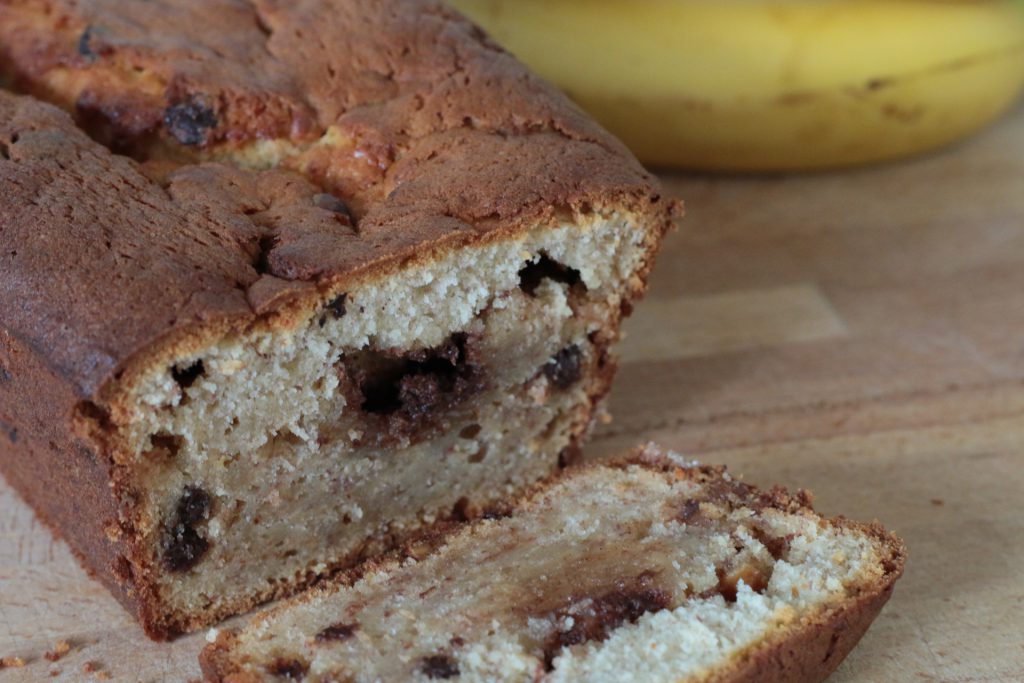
(860, 334)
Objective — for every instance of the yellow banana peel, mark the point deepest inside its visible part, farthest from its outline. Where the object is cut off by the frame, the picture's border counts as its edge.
(773, 85)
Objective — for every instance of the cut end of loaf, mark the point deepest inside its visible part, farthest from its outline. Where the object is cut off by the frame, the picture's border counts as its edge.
(284, 453)
(647, 569)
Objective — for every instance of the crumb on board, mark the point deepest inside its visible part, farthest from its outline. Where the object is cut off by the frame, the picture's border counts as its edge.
(96, 670)
(54, 673)
(61, 648)
(11, 663)
(938, 502)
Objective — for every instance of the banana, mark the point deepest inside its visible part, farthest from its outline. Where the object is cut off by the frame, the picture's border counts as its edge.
(773, 85)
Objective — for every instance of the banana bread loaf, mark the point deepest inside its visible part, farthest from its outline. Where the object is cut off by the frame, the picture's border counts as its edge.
(649, 569)
(281, 282)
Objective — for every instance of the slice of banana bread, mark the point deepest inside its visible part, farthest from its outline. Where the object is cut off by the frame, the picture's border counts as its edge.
(648, 569)
(292, 280)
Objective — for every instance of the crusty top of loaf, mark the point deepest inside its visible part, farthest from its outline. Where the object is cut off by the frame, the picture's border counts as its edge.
(433, 136)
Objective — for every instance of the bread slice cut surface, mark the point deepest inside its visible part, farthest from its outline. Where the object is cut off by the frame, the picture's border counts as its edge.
(647, 569)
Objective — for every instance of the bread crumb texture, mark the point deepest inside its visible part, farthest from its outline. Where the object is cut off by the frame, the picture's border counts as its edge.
(644, 570)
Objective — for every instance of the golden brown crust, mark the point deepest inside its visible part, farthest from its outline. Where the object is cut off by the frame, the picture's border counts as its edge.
(812, 652)
(467, 146)
(433, 136)
(68, 483)
(805, 652)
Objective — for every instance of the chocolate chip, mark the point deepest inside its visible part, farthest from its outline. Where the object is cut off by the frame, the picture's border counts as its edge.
(336, 632)
(689, 511)
(189, 122)
(439, 666)
(183, 549)
(292, 669)
(337, 306)
(546, 268)
(407, 396)
(328, 202)
(570, 455)
(4, 375)
(165, 444)
(594, 618)
(564, 369)
(186, 377)
(419, 383)
(12, 434)
(470, 431)
(420, 395)
(194, 506)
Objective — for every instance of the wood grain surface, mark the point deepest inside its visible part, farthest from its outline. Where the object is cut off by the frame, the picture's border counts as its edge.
(860, 334)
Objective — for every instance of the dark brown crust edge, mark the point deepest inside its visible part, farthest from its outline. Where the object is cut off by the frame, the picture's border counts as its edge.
(805, 653)
(812, 650)
(67, 481)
